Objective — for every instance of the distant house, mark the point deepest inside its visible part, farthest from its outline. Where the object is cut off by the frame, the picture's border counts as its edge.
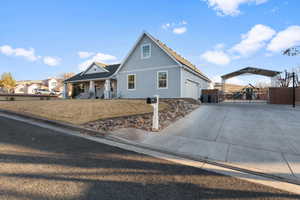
(229, 87)
(54, 84)
(150, 68)
(30, 86)
(27, 87)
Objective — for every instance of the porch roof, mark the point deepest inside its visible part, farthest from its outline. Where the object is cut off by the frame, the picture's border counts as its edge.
(102, 75)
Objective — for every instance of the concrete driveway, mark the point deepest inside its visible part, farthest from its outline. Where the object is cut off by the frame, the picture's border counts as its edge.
(260, 137)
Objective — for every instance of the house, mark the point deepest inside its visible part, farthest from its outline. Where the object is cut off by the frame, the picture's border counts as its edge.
(27, 87)
(30, 86)
(150, 68)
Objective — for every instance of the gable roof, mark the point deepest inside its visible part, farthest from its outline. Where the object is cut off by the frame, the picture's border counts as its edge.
(175, 56)
(98, 64)
(111, 69)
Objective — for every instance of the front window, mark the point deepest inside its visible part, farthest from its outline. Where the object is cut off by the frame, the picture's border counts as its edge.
(162, 78)
(146, 51)
(131, 81)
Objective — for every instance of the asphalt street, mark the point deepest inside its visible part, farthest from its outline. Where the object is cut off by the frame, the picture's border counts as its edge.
(37, 163)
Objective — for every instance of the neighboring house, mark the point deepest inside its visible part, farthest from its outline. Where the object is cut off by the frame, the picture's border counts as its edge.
(20, 88)
(51, 83)
(230, 88)
(27, 87)
(54, 84)
(32, 87)
(150, 68)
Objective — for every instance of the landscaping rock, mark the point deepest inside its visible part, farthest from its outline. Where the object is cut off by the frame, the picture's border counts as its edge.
(177, 108)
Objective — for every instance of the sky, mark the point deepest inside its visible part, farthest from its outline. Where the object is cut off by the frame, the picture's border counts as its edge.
(41, 39)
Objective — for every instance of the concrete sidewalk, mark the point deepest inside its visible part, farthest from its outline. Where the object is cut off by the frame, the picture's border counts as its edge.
(258, 137)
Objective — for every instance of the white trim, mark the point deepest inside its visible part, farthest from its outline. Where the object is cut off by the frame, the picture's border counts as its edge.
(134, 82)
(157, 80)
(135, 45)
(196, 82)
(87, 80)
(142, 53)
(196, 74)
(150, 69)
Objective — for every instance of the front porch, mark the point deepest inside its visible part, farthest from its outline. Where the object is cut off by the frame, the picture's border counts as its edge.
(93, 89)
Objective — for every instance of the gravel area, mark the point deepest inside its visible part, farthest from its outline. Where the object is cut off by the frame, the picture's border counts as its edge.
(175, 109)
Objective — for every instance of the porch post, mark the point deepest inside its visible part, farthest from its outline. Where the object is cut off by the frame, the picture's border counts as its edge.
(223, 89)
(65, 91)
(223, 85)
(92, 89)
(107, 89)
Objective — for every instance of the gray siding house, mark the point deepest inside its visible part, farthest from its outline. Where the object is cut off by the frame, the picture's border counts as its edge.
(150, 68)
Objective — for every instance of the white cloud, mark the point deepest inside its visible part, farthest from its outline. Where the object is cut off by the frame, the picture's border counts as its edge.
(179, 30)
(176, 27)
(99, 57)
(285, 39)
(216, 57)
(254, 40)
(230, 7)
(51, 61)
(220, 46)
(166, 26)
(28, 54)
(6, 50)
(85, 54)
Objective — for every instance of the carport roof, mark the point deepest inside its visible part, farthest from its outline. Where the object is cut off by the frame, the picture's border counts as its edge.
(251, 70)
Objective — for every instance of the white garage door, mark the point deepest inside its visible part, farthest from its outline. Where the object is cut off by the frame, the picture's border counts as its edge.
(191, 90)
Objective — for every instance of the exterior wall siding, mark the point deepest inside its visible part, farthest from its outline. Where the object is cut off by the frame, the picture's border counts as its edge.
(146, 84)
(146, 73)
(158, 57)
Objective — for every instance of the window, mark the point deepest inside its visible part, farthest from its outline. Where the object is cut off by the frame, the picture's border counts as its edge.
(146, 51)
(53, 84)
(162, 79)
(131, 81)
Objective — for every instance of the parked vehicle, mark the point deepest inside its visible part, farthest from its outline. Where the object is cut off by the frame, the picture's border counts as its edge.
(43, 92)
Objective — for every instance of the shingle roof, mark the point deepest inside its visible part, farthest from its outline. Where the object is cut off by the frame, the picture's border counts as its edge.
(80, 77)
(179, 58)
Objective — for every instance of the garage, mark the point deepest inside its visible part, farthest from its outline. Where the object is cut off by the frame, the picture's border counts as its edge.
(191, 89)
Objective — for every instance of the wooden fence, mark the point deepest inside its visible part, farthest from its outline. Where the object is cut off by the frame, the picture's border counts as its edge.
(283, 95)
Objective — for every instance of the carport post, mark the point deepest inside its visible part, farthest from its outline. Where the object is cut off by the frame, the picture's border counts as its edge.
(294, 91)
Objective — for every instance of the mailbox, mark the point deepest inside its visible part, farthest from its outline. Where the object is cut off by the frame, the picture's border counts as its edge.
(152, 100)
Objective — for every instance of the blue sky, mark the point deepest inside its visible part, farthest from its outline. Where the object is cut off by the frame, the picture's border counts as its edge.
(40, 39)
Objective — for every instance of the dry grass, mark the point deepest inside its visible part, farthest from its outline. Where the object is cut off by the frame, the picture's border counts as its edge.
(79, 111)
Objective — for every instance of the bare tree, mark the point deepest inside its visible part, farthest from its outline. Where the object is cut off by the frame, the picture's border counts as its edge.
(66, 75)
(285, 79)
(293, 51)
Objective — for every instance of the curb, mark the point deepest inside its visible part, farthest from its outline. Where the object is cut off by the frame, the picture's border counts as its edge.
(97, 134)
